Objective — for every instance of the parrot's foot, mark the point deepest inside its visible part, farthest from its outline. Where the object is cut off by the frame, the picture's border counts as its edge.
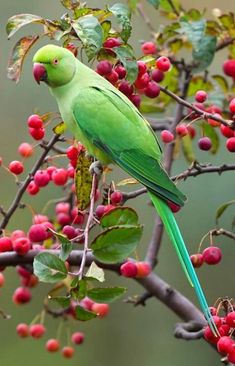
(96, 168)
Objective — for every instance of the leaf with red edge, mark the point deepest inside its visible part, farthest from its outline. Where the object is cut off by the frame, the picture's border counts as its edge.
(20, 20)
(19, 52)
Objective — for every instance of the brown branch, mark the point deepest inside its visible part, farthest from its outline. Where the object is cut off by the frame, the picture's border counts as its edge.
(188, 331)
(23, 186)
(205, 115)
(221, 231)
(225, 43)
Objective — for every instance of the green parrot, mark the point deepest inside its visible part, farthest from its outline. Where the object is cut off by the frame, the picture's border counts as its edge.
(112, 129)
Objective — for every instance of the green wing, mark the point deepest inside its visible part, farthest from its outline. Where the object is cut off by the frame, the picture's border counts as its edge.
(115, 126)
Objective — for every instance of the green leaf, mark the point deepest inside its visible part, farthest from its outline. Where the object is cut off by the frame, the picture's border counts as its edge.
(95, 272)
(63, 301)
(116, 243)
(187, 147)
(166, 5)
(119, 216)
(54, 30)
(18, 21)
(49, 268)
(194, 14)
(84, 315)
(210, 132)
(193, 30)
(132, 4)
(220, 210)
(213, 28)
(80, 291)
(66, 245)
(222, 82)
(17, 57)
(227, 20)
(204, 54)
(155, 3)
(83, 181)
(127, 58)
(175, 45)
(231, 49)
(104, 295)
(90, 32)
(123, 15)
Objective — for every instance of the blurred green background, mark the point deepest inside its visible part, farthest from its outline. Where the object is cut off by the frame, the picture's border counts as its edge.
(128, 336)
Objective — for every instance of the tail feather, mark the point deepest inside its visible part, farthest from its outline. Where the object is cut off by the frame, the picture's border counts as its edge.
(175, 235)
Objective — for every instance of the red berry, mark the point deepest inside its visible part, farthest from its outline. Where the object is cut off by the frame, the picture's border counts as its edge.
(77, 338)
(163, 63)
(212, 255)
(39, 219)
(226, 131)
(173, 206)
(69, 231)
(142, 68)
(230, 319)
(231, 355)
(37, 233)
(217, 320)
(116, 197)
(157, 75)
(72, 48)
(32, 188)
(224, 330)
(50, 170)
(112, 42)
(136, 100)
(100, 211)
(72, 152)
(31, 281)
(230, 144)
(41, 178)
(62, 207)
(191, 131)
(209, 336)
(197, 260)
(128, 269)
(167, 136)
(37, 330)
(148, 48)
(152, 90)
(52, 345)
(68, 352)
(60, 176)
(2, 279)
(77, 216)
(143, 269)
(232, 106)
(5, 244)
(229, 68)
(112, 77)
(104, 68)
(71, 171)
(16, 167)
(100, 309)
(108, 208)
(22, 295)
(121, 71)
(37, 133)
(21, 246)
(25, 149)
(22, 330)
(126, 88)
(17, 234)
(212, 309)
(213, 122)
(34, 121)
(204, 143)
(23, 272)
(225, 344)
(181, 130)
(142, 81)
(201, 96)
(87, 303)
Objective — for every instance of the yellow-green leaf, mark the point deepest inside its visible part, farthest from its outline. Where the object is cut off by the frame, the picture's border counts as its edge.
(60, 128)
(220, 210)
(19, 20)
(187, 147)
(83, 181)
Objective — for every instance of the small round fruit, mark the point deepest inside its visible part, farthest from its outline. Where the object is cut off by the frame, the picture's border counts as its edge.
(34, 121)
(226, 131)
(68, 351)
(225, 344)
(37, 233)
(32, 188)
(142, 68)
(37, 330)
(181, 130)
(104, 67)
(128, 269)
(41, 178)
(148, 48)
(72, 152)
(197, 260)
(77, 338)
(157, 75)
(209, 336)
(212, 255)
(52, 345)
(126, 88)
(121, 71)
(232, 106)
(230, 144)
(22, 295)
(72, 48)
(100, 309)
(21, 246)
(22, 330)
(25, 150)
(16, 167)
(5, 244)
(37, 133)
(69, 231)
(201, 96)
(152, 90)
(112, 42)
(116, 197)
(59, 177)
(230, 319)
(163, 63)
(229, 68)
(167, 136)
(100, 211)
(204, 143)
(142, 81)
(143, 269)
(231, 355)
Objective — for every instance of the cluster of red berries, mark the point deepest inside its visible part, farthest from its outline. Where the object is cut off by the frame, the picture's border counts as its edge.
(52, 345)
(211, 255)
(224, 341)
(135, 269)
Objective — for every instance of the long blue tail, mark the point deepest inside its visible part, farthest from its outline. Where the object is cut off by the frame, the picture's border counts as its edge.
(174, 233)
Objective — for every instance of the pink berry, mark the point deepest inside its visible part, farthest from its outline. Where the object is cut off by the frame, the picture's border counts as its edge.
(204, 143)
(200, 96)
(60, 177)
(100, 211)
(22, 330)
(63, 219)
(157, 75)
(23, 272)
(136, 100)
(72, 48)
(143, 269)
(226, 131)
(72, 152)
(232, 106)
(148, 48)
(197, 260)
(37, 233)
(181, 130)
(121, 71)
(167, 136)
(173, 206)
(128, 269)
(25, 149)
(41, 178)
(69, 231)
(16, 167)
(17, 234)
(209, 336)
(5, 244)
(142, 68)
(126, 88)
(100, 309)
(229, 68)
(163, 63)
(37, 330)
(21, 246)
(34, 121)
(104, 68)
(109, 208)
(77, 338)
(30, 282)
(225, 345)
(32, 188)
(37, 133)
(87, 303)
(112, 77)
(50, 169)
(62, 207)
(212, 255)
(230, 319)
(39, 219)
(22, 295)
(116, 197)
(112, 42)
(68, 352)
(152, 90)
(230, 144)
(142, 81)
(52, 345)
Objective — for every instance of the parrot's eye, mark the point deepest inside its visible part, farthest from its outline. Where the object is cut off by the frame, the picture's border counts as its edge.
(55, 61)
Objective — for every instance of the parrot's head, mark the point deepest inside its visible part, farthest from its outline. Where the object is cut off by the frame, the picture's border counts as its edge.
(54, 65)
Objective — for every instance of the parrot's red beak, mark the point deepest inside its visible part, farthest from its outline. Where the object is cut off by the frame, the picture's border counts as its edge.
(39, 73)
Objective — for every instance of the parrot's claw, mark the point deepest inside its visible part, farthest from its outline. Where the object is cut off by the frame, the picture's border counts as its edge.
(96, 168)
